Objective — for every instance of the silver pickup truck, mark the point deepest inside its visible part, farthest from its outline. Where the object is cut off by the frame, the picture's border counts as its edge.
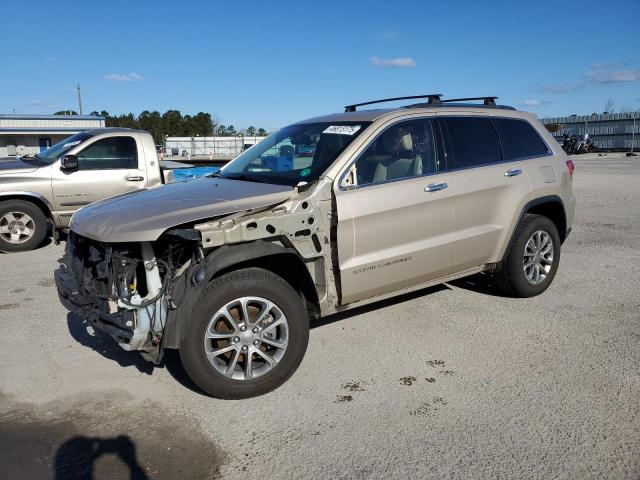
(46, 189)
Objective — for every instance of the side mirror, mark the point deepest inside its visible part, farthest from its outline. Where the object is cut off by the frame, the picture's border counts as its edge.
(69, 163)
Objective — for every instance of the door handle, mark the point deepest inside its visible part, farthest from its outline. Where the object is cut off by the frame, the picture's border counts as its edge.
(512, 172)
(434, 187)
(135, 179)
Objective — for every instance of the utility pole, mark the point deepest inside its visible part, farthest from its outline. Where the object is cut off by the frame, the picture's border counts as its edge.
(79, 98)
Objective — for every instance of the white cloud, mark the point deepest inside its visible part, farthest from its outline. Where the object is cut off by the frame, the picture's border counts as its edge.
(598, 74)
(397, 62)
(607, 73)
(132, 77)
(534, 102)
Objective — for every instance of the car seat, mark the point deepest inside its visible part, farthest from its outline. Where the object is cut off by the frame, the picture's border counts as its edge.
(399, 159)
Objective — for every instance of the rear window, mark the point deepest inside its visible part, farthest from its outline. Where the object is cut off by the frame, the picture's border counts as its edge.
(474, 141)
(519, 139)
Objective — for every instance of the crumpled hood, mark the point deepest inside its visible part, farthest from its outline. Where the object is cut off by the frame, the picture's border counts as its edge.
(15, 165)
(144, 215)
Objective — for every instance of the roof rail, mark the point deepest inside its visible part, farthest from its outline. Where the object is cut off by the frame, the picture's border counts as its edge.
(434, 99)
(486, 100)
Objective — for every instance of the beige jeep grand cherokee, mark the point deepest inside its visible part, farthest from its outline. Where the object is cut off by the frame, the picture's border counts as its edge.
(322, 216)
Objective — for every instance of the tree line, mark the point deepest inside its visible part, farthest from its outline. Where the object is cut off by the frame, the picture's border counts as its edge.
(172, 124)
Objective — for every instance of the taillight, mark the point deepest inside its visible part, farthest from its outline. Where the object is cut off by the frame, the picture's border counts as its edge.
(571, 167)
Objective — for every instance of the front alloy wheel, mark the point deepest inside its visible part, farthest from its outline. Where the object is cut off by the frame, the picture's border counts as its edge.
(247, 335)
(23, 226)
(16, 227)
(246, 338)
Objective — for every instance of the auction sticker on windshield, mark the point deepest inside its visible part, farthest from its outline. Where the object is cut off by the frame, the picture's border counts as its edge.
(342, 129)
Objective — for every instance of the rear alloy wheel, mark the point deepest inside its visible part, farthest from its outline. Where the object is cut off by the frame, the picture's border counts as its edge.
(23, 226)
(248, 335)
(538, 257)
(532, 258)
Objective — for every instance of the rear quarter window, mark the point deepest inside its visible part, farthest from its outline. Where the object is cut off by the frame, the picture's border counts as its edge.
(519, 139)
(473, 141)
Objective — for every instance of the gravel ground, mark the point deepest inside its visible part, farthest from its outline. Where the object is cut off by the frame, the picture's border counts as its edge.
(451, 382)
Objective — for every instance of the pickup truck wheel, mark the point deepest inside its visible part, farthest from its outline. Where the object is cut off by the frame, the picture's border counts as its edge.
(532, 259)
(248, 335)
(23, 226)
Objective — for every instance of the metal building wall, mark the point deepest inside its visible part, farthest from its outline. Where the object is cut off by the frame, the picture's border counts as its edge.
(21, 134)
(609, 132)
(38, 122)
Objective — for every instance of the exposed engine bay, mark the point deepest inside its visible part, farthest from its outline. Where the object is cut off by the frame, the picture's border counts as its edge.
(124, 289)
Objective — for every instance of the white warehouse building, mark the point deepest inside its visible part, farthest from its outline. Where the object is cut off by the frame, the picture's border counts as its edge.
(28, 134)
(218, 147)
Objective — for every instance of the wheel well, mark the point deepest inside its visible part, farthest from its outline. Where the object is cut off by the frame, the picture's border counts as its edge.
(291, 268)
(28, 198)
(554, 211)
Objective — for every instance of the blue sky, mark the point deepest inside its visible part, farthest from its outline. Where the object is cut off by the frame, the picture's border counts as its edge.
(271, 63)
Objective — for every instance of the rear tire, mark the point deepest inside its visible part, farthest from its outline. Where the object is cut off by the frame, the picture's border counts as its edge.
(248, 334)
(23, 226)
(532, 258)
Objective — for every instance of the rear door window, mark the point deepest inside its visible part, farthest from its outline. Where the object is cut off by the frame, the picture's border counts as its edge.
(473, 141)
(519, 139)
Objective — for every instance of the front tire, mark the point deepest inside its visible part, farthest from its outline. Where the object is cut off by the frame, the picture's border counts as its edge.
(23, 226)
(248, 335)
(532, 259)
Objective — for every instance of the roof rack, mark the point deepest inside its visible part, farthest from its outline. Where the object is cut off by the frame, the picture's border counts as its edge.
(434, 99)
(486, 100)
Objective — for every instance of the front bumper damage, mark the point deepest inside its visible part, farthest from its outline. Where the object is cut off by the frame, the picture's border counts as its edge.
(117, 289)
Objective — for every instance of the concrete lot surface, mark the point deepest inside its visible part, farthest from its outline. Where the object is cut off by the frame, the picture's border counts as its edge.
(451, 382)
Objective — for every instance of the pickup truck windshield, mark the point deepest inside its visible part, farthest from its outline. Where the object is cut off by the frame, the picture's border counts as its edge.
(294, 154)
(49, 155)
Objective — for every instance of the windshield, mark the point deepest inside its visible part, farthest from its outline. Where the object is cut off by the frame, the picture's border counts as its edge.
(297, 153)
(49, 155)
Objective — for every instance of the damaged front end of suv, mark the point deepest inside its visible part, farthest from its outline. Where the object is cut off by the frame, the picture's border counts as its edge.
(144, 293)
(124, 289)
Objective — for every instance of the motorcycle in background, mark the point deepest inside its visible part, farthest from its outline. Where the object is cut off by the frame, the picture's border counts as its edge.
(574, 145)
(567, 143)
